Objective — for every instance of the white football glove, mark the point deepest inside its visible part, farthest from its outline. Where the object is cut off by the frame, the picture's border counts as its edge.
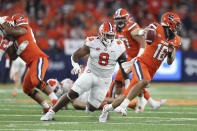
(128, 65)
(76, 68)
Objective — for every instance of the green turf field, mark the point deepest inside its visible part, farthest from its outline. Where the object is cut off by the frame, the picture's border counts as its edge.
(24, 116)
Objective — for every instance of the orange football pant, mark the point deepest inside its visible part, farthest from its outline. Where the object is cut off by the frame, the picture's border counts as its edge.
(140, 71)
(35, 73)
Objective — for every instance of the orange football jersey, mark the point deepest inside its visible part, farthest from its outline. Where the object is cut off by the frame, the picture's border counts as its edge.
(32, 51)
(132, 47)
(155, 53)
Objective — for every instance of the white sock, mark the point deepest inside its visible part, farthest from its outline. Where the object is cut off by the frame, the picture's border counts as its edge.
(109, 107)
(151, 101)
(125, 103)
(44, 104)
(52, 96)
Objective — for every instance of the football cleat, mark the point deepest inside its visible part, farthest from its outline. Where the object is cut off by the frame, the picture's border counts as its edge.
(122, 111)
(104, 115)
(141, 105)
(14, 93)
(48, 116)
(158, 104)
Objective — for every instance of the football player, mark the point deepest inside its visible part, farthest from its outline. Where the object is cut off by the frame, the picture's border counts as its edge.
(104, 52)
(126, 30)
(146, 65)
(35, 59)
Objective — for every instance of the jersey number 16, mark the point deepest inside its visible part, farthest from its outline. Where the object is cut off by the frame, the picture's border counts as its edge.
(160, 53)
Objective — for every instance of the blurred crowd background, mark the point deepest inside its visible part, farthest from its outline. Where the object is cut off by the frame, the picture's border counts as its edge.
(53, 21)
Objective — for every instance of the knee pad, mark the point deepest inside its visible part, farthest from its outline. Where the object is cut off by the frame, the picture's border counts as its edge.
(32, 95)
(41, 85)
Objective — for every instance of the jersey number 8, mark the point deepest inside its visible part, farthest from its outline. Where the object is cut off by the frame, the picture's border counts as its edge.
(103, 59)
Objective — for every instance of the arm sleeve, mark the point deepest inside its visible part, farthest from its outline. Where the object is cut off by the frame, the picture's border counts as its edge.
(121, 60)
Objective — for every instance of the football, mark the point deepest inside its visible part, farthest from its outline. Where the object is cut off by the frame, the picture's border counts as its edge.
(150, 36)
(11, 51)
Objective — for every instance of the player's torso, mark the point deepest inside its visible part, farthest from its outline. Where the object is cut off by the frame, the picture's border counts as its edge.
(32, 51)
(132, 47)
(102, 60)
(155, 53)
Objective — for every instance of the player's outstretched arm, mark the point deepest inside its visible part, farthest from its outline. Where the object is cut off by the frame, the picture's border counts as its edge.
(13, 31)
(171, 54)
(81, 52)
(138, 35)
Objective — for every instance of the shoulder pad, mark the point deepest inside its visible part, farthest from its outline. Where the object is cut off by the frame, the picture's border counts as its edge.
(131, 25)
(90, 40)
(153, 25)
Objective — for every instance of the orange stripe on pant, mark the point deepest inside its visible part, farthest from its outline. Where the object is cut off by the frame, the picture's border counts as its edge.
(35, 73)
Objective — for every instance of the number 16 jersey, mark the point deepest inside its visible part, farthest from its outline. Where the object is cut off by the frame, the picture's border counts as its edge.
(102, 60)
(155, 53)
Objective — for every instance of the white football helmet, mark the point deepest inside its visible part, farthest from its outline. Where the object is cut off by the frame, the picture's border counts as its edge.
(106, 33)
(55, 87)
(66, 84)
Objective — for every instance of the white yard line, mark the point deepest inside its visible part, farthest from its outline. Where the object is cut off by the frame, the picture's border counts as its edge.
(36, 105)
(23, 129)
(145, 112)
(71, 116)
(45, 123)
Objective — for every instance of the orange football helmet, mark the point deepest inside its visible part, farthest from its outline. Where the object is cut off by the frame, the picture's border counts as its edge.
(106, 33)
(121, 17)
(171, 20)
(20, 19)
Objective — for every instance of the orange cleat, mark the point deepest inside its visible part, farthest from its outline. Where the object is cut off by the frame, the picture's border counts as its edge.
(14, 93)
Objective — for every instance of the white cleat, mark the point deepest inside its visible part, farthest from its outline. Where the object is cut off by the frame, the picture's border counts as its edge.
(158, 104)
(48, 116)
(104, 115)
(141, 105)
(121, 110)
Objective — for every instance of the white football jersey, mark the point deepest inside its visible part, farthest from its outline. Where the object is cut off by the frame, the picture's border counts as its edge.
(102, 60)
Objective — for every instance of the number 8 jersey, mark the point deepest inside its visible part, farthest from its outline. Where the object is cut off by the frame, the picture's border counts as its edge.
(102, 60)
(155, 53)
